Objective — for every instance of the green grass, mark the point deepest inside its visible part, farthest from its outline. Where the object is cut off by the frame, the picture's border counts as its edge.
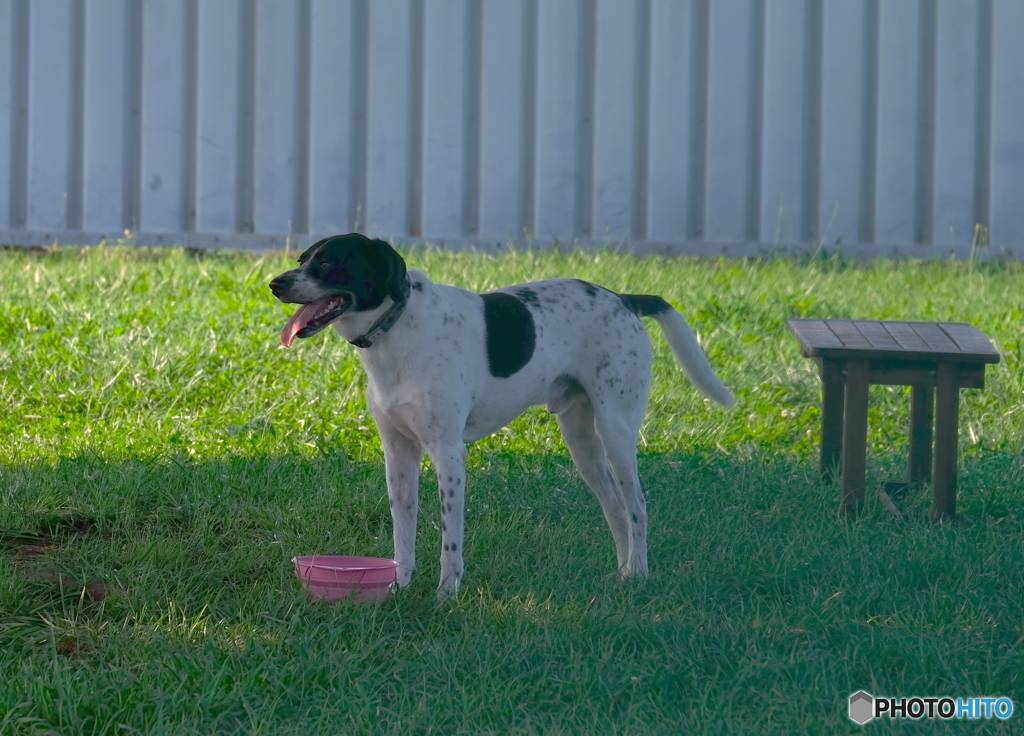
(165, 459)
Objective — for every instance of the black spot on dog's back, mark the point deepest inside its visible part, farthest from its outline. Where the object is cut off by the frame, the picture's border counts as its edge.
(528, 296)
(511, 335)
(588, 287)
(643, 305)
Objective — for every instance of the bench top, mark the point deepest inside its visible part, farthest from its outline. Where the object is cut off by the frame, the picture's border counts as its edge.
(950, 342)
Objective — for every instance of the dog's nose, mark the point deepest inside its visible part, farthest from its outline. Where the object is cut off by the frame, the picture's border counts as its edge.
(277, 285)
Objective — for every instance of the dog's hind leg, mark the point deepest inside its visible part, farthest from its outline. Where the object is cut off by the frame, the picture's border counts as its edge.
(402, 458)
(576, 420)
(618, 433)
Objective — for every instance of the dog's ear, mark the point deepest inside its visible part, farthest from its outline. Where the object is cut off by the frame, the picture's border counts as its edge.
(392, 267)
(310, 250)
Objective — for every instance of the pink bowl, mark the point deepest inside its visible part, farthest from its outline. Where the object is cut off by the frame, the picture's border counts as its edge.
(332, 577)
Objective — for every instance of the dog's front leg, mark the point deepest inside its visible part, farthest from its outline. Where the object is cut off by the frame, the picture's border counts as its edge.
(450, 464)
(402, 457)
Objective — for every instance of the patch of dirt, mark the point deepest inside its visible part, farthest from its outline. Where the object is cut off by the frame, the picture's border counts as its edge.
(71, 646)
(97, 590)
(28, 550)
(37, 557)
(50, 536)
(50, 532)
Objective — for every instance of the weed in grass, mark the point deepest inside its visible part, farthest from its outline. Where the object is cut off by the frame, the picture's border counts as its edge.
(166, 459)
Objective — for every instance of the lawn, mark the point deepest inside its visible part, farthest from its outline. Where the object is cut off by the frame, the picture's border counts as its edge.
(166, 458)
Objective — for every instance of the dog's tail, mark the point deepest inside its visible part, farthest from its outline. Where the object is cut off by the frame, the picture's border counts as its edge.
(683, 343)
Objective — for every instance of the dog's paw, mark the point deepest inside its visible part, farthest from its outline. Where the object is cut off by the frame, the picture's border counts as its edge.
(633, 570)
(449, 585)
(403, 576)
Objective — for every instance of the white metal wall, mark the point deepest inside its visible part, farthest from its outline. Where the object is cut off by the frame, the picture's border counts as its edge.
(678, 125)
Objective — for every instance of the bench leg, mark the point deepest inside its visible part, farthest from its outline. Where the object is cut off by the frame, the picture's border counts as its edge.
(855, 435)
(947, 413)
(922, 418)
(833, 395)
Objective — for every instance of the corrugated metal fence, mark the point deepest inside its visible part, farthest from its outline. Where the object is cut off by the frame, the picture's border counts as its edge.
(700, 126)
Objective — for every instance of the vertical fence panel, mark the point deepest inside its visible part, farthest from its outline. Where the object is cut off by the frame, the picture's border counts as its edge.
(845, 99)
(163, 103)
(670, 146)
(507, 111)
(956, 120)
(895, 189)
(558, 109)
(733, 120)
(334, 60)
(445, 131)
(785, 129)
(8, 104)
(277, 116)
(103, 179)
(217, 148)
(1007, 150)
(617, 118)
(393, 124)
(49, 113)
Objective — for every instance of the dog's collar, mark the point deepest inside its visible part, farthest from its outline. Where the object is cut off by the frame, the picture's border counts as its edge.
(387, 320)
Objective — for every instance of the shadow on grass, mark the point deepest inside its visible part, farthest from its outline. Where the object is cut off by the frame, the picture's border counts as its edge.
(757, 589)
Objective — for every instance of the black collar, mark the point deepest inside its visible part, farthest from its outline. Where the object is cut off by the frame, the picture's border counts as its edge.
(386, 321)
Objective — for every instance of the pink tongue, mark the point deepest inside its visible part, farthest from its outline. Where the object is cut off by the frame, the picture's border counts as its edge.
(299, 320)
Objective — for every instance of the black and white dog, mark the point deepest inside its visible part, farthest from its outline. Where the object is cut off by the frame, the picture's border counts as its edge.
(446, 367)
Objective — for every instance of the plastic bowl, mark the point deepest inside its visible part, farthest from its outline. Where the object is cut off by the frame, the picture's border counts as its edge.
(333, 577)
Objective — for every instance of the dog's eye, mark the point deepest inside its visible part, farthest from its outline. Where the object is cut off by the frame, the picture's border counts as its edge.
(325, 265)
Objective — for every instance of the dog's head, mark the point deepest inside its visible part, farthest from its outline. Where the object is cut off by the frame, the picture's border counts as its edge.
(335, 276)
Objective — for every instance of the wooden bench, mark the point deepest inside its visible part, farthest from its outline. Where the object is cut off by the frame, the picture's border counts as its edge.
(936, 359)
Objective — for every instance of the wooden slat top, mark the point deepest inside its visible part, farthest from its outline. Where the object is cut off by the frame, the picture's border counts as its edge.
(873, 339)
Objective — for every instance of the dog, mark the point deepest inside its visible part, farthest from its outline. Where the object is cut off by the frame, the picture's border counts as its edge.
(446, 367)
